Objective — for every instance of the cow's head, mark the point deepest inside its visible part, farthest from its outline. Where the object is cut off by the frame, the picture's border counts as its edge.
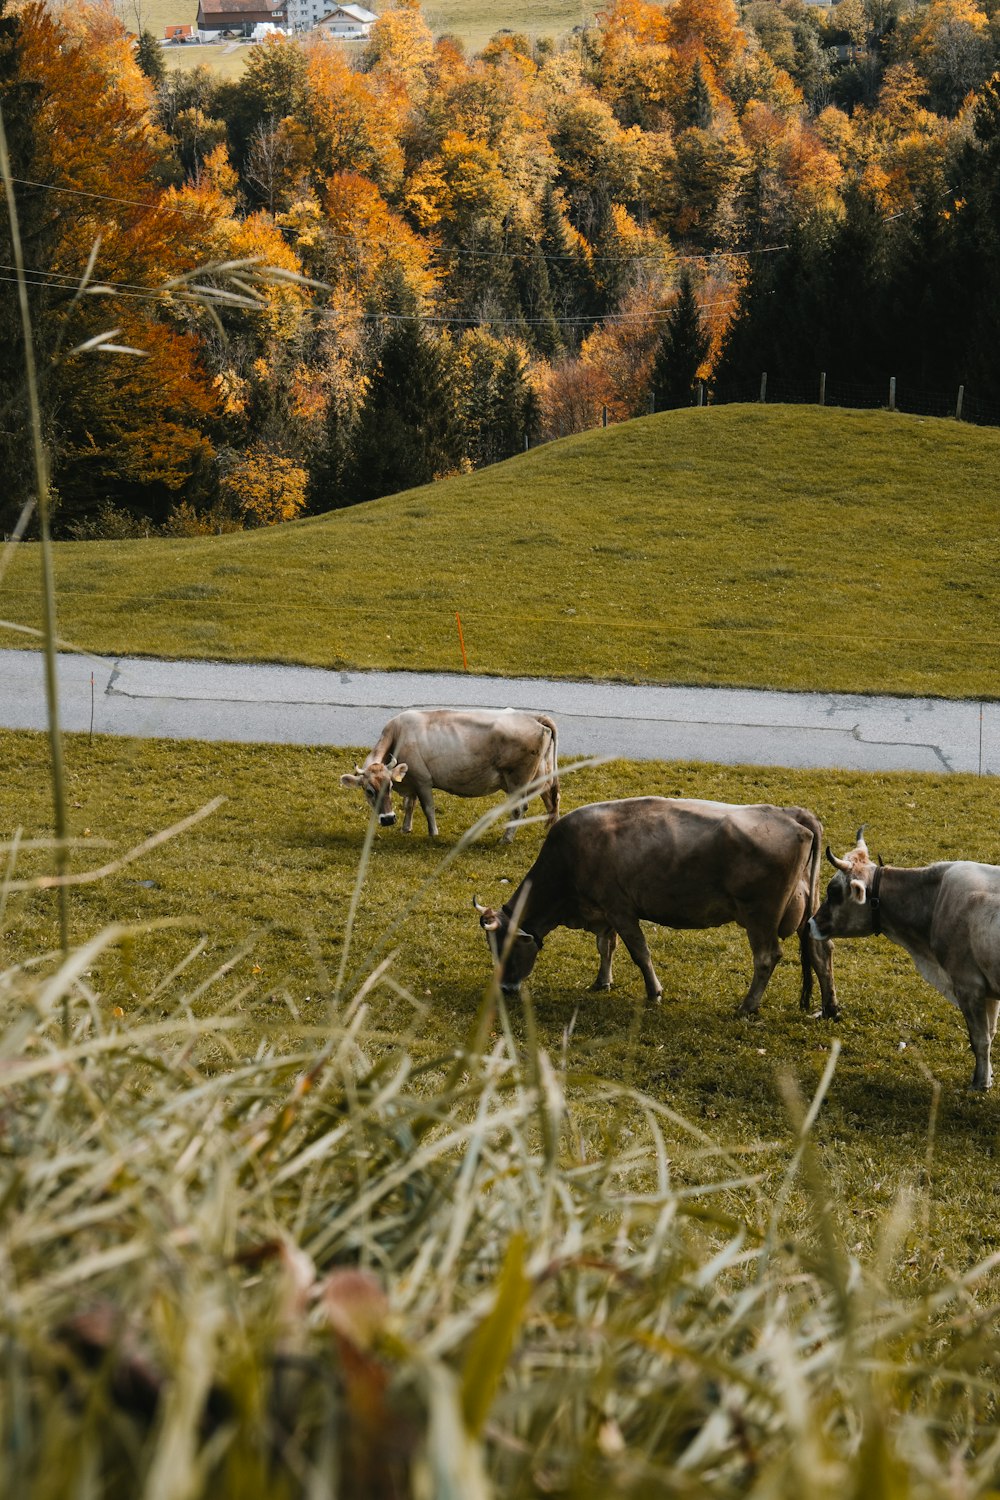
(376, 781)
(513, 949)
(846, 910)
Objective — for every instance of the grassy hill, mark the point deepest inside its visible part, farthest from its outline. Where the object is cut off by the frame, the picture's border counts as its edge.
(783, 547)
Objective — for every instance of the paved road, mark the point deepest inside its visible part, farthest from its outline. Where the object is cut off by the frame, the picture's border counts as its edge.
(301, 705)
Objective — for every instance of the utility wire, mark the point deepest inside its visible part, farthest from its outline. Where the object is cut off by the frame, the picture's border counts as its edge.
(151, 294)
(352, 239)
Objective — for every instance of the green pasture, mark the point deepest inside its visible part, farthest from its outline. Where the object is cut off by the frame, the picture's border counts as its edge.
(475, 22)
(779, 547)
(264, 887)
(470, 20)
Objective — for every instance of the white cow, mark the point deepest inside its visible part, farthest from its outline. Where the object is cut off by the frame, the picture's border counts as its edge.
(467, 752)
(946, 916)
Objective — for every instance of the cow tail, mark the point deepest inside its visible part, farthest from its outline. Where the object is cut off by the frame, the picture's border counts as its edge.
(551, 761)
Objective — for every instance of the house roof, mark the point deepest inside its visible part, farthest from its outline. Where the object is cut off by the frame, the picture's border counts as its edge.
(244, 9)
(356, 13)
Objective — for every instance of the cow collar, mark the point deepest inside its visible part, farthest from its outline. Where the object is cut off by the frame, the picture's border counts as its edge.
(875, 902)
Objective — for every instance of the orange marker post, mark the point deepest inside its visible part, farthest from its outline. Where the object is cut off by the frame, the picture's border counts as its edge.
(461, 640)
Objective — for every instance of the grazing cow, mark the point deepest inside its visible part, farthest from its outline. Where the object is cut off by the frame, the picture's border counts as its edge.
(946, 916)
(679, 863)
(469, 752)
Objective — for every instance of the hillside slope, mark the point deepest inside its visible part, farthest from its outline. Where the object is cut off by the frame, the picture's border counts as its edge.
(788, 547)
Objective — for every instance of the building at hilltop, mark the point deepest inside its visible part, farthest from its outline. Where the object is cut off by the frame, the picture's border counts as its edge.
(238, 17)
(345, 23)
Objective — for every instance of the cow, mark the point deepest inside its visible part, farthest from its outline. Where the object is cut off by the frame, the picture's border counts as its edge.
(469, 752)
(946, 916)
(679, 863)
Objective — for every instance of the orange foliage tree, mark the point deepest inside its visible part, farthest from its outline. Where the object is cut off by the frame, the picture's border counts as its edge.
(121, 426)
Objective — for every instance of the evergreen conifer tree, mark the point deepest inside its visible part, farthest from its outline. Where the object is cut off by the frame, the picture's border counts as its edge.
(149, 56)
(698, 105)
(571, 279)
(683, 345)
(408, 429)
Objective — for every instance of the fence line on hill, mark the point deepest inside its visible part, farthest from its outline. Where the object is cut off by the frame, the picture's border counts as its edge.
(825, 390)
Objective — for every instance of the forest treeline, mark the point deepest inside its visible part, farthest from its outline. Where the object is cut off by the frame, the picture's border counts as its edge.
(417, 260)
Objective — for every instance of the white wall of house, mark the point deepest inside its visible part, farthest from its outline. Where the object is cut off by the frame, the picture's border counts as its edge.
(303, 15)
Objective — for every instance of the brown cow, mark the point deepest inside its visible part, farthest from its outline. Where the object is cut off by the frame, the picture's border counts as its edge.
(946, 916)
(679, 863)
(469, 752)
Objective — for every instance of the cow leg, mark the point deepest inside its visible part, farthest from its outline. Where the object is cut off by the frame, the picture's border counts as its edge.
(409, 803)
(766, 954)
(550, 801)
(511, 785)
(425, 796)
(517, 812)
(634, 939)
(821, 956)
(981, 1019)
(607, 942)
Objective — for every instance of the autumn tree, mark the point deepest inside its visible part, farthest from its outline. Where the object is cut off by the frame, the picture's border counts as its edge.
(21, 102)
(134, 428)
(263, 488)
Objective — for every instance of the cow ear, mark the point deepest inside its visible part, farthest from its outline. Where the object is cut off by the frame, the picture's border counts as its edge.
(398, 772)
(348, 780)
(858, 892)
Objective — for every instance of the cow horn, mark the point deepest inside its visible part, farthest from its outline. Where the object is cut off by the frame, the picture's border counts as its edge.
(389, 762)
(860, 835)
(358, 770)
(838, 864)
(480, 908)
(881, 862)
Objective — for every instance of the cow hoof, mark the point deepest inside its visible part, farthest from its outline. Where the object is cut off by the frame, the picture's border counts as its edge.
(833, 1014)
(654, 996)
(748, 1012)
(598, 988)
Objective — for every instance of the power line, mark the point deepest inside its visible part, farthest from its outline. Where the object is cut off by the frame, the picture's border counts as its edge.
(61, 282)
(161, 207)
(353, 239)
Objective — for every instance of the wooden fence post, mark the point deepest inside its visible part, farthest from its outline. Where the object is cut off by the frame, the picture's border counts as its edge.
(892, 393)
(822, 387)
(958, 403)
(604, 416)
(652, 403)
(701, 393)
(763, 385)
